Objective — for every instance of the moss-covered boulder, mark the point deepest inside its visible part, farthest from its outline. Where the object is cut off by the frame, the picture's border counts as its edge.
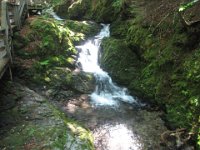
(62, 77)
(121, 62)
(100, 11)
(85, 28)
(73, 9)
(78, 9)
(52, 55)
(45, 37)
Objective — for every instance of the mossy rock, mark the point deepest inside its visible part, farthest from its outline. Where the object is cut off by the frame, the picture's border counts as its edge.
(73, 9)
(45, 37)
(37, 124)
(87, 28)
(61, 8)
(104, 12)
(63, 77)
(121, 62)
(78, 9)
(119, 29)
(100, 11)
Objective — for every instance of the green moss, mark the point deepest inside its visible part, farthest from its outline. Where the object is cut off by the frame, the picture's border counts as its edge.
(163, 66)
(53, 37)
(54, 131)
(54, 136)
(184, 111)
(77, 130)
(119, 29)
(100, 11)
(120, 61)
(78, 9)
(86, 28)
(73, 9)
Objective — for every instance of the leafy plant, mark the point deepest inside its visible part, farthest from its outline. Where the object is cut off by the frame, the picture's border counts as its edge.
(117, 4)
(183, 7)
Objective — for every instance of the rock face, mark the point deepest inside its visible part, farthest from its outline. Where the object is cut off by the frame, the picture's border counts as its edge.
(33, 123)
(84, 83)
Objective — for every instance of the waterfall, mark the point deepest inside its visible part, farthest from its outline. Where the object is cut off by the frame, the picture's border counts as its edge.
(106, 92)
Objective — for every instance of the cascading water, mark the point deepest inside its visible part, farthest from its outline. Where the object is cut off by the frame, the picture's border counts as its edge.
(123, 128)
(51, 12)
(106, 92)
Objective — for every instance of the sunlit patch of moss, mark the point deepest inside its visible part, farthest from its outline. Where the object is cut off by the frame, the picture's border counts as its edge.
(77, 130)
(83, 29)
(54, 37)
(198, 138)
(185, 6)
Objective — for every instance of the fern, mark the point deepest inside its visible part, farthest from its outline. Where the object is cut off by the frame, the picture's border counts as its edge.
(117, 4)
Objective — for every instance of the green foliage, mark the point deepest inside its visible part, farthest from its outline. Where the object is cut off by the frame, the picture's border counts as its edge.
(54, 37)
(117, 4)
(198, 139)
(121, 62)
(184, 7)
(192, 67)
(138, 35)
(119, 29)
(167, 73)
(44, 63)
(53, 71)
(55, 2)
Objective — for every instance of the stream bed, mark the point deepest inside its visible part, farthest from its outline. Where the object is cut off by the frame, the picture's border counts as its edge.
(116, 119)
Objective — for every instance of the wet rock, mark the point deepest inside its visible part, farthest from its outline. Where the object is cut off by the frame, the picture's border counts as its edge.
(34, 123)
(7, 102)
(83, 82)
(73, 9)
(87, 28)
(64, 80)
(123, 121)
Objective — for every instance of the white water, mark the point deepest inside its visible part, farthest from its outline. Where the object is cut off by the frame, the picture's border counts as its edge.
(117, 137)
(53, 14)
(106, 92)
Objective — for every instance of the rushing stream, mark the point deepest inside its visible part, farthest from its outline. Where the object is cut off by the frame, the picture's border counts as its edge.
(117, 137)
(111, 113)
(106, 93)
(114, 117)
